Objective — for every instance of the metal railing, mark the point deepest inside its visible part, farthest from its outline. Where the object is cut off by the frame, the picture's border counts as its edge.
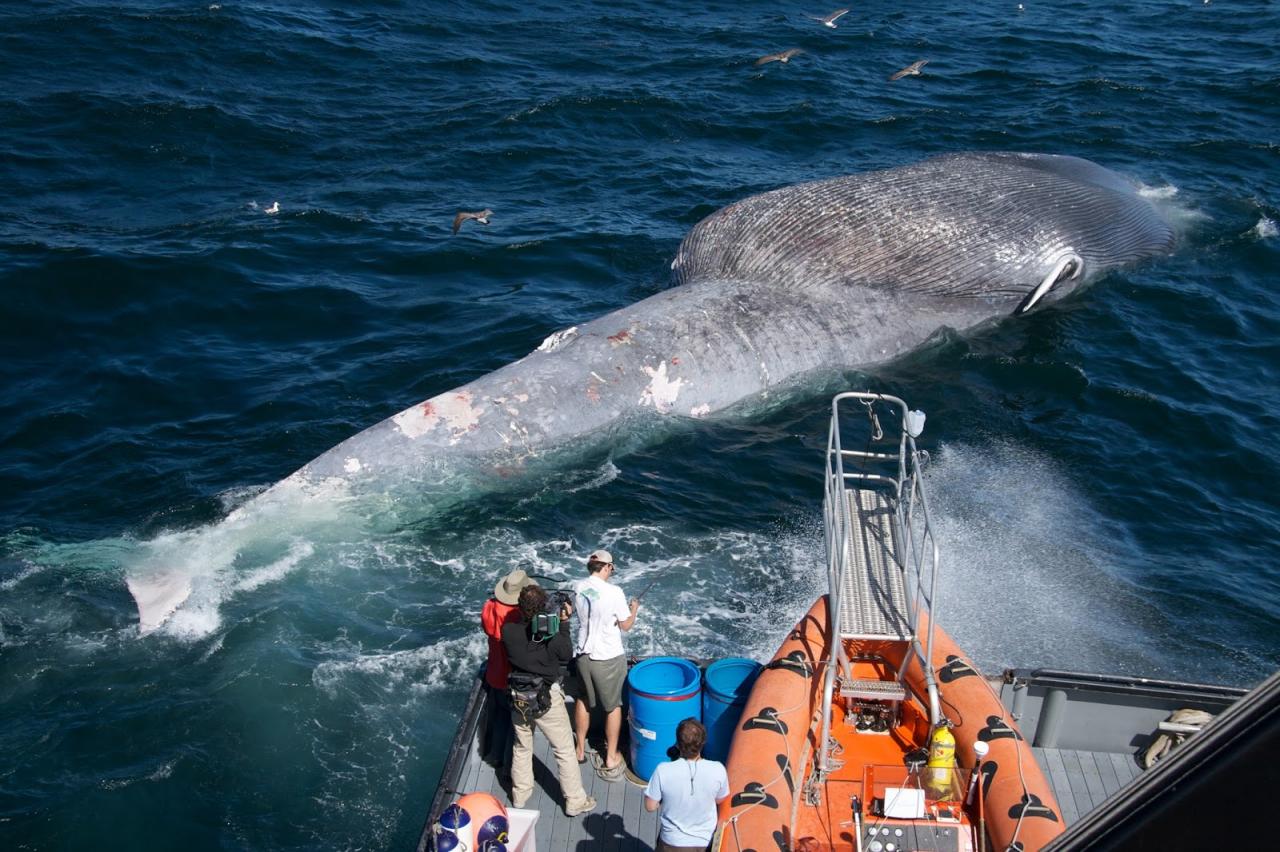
(916, 554)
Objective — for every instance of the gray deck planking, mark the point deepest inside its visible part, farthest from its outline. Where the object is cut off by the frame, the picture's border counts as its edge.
(648, 833)
(1107, 772)
(637, 816)
(631, 808)
(1093, 774)
(614, 805)
(1052, 764)
(1083, 780)
(1075, 781)
(618, 824)
(1079, 786)
(569, 833)
(1126, 767)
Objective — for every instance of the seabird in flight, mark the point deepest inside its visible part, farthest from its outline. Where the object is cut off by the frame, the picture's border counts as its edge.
(912, 70)
(830, 20)
(784, 56)
(481, 216)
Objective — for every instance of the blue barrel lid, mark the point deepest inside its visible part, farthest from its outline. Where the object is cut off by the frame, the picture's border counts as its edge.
(662, 676)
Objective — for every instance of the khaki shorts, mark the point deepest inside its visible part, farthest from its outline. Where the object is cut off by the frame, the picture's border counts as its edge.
(602, 681)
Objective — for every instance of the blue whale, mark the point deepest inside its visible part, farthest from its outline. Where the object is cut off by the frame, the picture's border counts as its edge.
(769, 292)
(833, 274)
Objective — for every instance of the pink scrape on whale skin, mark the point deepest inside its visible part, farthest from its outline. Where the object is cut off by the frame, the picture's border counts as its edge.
(451, 410)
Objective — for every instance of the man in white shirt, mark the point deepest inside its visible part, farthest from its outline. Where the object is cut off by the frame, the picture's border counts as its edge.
(687, 792)
(603, 615)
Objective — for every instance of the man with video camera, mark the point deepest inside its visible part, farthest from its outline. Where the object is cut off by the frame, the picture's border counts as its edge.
(536, 647)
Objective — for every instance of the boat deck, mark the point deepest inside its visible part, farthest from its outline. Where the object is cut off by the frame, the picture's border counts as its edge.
(1081, 779)
(618, 824)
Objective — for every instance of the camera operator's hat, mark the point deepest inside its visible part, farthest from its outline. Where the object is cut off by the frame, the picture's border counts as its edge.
(604, 557)
(508, 589)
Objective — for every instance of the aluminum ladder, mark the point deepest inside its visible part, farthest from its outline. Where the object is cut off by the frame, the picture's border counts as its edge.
(882, 557)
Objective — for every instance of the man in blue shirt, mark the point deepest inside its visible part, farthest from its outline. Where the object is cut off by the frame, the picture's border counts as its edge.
(687, 792)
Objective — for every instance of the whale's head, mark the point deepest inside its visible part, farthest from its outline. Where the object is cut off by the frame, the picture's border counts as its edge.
(1016, 231)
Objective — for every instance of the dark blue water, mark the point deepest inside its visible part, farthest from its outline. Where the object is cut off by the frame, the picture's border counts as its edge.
(1105, 470)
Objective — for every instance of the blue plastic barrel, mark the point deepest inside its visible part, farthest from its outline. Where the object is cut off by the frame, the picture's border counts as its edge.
(664, 691)
(728, 683)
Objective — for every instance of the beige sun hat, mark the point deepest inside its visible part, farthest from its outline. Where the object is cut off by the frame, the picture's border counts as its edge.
(604, 557)
(508, 589)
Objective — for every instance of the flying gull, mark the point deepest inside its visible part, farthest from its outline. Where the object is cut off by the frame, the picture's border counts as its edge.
(481, 216)
(912, 70)
(830, 20)
(784, 56)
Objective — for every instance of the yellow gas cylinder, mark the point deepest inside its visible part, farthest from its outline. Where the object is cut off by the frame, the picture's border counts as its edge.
(942, 762)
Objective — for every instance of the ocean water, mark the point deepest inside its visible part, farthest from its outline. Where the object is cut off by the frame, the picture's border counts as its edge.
(1104, 471)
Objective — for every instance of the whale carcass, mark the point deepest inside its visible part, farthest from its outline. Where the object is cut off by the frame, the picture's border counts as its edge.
(822, 276)
(837, 273)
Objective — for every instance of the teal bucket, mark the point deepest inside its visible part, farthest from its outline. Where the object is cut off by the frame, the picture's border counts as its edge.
(728, 683)
(663, 691)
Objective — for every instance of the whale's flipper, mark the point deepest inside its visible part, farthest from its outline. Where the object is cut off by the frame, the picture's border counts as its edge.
(1068, 267)
(157, 597)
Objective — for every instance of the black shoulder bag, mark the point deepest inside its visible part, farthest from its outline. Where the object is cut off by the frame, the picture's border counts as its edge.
(530, 695)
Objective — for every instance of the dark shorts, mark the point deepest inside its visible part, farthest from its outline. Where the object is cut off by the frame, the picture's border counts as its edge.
(602, 681)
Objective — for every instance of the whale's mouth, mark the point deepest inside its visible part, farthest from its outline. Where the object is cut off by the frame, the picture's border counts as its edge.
(1068, 267)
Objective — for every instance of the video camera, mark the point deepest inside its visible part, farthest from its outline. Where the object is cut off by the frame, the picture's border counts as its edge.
(546, 624)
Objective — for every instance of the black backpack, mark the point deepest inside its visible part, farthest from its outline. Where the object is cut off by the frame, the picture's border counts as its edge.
(530, 695)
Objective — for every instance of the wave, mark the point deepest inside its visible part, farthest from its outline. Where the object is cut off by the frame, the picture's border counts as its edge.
(11, 583)
(430, 668)
(1175, 208)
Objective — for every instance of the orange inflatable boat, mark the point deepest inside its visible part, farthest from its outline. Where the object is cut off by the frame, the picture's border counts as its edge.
(871, 731)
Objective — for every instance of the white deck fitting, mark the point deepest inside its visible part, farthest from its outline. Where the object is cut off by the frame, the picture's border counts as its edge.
(873, 601)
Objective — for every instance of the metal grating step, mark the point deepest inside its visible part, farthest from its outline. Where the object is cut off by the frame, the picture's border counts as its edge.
(873, 600)
(873, 690)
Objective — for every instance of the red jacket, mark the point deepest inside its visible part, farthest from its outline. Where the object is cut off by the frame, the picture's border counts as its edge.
(492, 618)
